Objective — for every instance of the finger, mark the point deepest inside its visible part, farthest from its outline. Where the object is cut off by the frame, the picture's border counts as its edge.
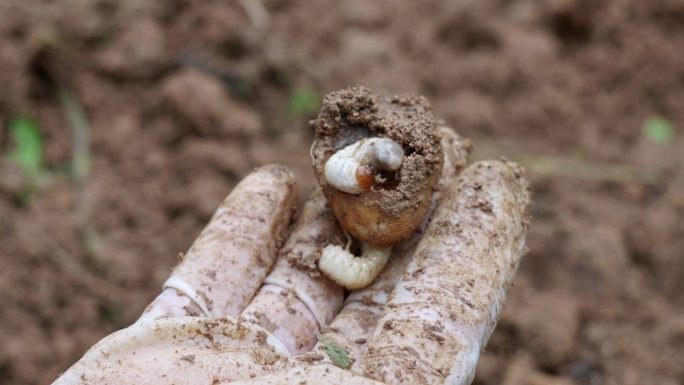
(353, 325)
(229, 260)
(446, 305)
(285, 316)
(295, 301)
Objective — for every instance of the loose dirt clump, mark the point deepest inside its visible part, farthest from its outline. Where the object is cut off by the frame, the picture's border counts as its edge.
(353, 114)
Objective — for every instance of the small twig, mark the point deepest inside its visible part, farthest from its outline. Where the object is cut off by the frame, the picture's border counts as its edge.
(257, 13)
(78, 122)
(80, 166)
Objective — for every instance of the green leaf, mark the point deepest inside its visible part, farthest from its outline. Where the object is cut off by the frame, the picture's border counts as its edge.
(303, 102)
(658, 130)
(337, 354)
(28, 145)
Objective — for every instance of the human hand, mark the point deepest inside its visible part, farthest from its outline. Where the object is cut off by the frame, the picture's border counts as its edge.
(240, 308)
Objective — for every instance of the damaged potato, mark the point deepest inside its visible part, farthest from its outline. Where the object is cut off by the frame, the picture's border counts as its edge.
(377, 160)
(391, 148)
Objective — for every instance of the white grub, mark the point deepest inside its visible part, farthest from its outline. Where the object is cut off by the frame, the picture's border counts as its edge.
(344, 171)
(453, 291)
(341, 170)
(352, 272)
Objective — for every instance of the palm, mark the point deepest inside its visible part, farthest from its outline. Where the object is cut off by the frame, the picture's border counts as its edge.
(234, 312)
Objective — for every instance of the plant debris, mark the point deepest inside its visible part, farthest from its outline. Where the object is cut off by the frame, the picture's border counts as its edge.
(338, 355)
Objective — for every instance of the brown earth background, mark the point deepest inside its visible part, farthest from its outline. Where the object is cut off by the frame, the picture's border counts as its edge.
(165, 105)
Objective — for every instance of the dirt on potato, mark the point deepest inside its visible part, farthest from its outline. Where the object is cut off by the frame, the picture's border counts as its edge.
(394, 203)
(177, 100)
(352, 114)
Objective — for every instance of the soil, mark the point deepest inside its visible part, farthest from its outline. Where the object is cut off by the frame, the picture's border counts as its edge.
(184, 98)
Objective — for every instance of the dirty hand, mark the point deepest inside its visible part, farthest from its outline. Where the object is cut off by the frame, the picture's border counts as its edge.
(246, 305)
